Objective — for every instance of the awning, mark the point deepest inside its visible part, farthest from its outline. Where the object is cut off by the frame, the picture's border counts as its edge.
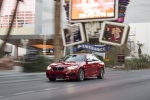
(43, 46)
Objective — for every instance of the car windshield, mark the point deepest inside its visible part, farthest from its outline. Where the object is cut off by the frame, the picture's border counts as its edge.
(74, 58)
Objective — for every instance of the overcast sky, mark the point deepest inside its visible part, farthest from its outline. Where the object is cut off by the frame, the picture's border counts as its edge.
(138, 11)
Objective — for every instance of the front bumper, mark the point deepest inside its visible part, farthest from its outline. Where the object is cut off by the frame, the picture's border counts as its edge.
(69, 74)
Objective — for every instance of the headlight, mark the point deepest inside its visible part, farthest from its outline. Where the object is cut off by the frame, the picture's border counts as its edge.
(49, 67)
(72, 67)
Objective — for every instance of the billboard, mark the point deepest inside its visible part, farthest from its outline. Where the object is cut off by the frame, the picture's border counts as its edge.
(114, 33)
(73, 35)
(93, 10)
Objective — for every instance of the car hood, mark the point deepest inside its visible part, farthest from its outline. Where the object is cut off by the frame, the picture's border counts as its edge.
(66, 64)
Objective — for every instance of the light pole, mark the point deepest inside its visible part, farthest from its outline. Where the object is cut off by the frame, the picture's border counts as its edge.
(25, 42)
(44, 37)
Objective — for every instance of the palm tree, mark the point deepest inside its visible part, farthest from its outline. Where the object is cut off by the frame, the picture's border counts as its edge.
(1, 3)
(139, 49)
(10, 27)
(57, 37)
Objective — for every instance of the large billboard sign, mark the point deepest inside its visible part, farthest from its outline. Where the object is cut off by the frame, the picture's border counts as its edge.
(114, 33)
(93, 10)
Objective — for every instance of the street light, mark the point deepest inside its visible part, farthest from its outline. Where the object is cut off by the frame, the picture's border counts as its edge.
(25, 42)
(45, 37)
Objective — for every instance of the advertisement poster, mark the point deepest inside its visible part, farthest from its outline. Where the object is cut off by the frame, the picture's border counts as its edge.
(114, 33)
(85, 10)
(73, 35)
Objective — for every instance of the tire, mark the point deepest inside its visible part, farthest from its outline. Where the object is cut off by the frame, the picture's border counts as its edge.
(101, 74)
(80, 75)
(52, 79)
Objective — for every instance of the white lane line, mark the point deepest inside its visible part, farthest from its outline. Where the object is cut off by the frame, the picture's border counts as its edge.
(19, 81)
(20, 74)
(146, 75)
(51, 88)
(69, 86)
(57, 88)
(21, 93)
(1, 96)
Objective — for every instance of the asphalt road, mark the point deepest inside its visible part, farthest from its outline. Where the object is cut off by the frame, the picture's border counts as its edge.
(117, 85)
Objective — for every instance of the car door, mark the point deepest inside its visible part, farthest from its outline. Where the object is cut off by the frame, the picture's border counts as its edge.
(89, 65)
(96, 65)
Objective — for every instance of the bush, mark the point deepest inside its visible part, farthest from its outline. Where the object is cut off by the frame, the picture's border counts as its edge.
(6, 63)
(39, 65)
(112, 54)
(143, 62)
(113, 60)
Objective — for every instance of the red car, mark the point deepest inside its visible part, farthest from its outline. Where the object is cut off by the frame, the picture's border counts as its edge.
(76, 66)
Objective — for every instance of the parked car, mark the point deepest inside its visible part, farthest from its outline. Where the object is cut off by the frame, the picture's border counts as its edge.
(76, 66)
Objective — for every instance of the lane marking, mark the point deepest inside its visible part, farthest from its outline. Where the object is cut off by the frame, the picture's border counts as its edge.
(21, 93)
(58, 88)
(20, 81)
(69, 86)
(1, 96)
(51, 88)
(20, 74)
(28, 92)
(146, 75)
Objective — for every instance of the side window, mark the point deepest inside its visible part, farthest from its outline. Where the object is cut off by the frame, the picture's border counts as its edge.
(95, 58)
(89, 58)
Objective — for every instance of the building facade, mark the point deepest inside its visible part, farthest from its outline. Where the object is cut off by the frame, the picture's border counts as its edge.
(25, 15)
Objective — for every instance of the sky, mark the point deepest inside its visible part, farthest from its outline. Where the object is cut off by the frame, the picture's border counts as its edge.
(138, 11)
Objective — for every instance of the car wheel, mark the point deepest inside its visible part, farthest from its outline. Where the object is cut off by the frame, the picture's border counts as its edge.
(101, 74)
(52, 79)
(81, 75)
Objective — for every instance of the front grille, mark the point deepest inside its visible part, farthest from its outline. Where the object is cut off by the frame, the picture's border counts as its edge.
(54, 69)
(58, 75)
(58, 68)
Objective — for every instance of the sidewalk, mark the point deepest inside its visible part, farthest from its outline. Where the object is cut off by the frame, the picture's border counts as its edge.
(17, 71)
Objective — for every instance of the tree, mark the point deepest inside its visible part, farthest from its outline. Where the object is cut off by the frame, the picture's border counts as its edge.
(139, 49)
(57, 37)
(10, 27)
(1, 3)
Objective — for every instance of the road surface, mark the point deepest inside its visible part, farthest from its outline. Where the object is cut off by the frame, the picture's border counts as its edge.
(117, 85)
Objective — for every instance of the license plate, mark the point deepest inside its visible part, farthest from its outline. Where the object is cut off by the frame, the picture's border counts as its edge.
(59, 76)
